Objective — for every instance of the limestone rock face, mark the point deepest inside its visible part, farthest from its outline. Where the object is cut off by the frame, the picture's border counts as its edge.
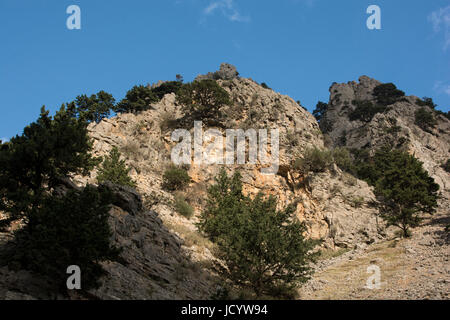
(145, 142)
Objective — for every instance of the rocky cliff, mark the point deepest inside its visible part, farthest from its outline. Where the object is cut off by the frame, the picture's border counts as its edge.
(145, 141)
(164, 255)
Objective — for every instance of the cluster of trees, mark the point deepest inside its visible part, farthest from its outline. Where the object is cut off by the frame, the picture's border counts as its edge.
(140, 98)
(94, 108)
(202, 98)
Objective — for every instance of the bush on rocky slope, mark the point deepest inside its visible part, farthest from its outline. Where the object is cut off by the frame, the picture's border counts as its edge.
(446, 166)
(175, 178)
(425, 119)
(314, 160)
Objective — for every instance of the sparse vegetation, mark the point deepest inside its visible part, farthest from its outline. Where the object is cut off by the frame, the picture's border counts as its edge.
(314, 160)
(175, 178)
(291, 138)
(425, 119)
(356, 202)
(182, 207)
(168, 121)
(265, 86)
(343, 159)
(426, 102)
(446, 166)
(317, 160)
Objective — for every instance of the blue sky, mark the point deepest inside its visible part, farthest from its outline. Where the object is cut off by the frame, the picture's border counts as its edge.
(298, 47)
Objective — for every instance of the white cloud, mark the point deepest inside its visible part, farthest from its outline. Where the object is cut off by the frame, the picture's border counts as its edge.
(440, 19)
(441, 87)
(4, 139)
(228, 9)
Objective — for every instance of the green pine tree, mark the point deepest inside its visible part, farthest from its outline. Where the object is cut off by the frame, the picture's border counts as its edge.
(115, 170)
(96, 107)
(203, 99)
(68, 230)
(31, 164)
(58, 229)
(137, 99)
(404, 188)
(263, 248)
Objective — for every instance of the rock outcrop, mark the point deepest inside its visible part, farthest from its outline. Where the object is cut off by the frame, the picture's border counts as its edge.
(395, 127)
(226, 72)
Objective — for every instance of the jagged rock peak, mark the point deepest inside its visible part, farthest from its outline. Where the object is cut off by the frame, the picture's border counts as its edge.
(226, 72)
